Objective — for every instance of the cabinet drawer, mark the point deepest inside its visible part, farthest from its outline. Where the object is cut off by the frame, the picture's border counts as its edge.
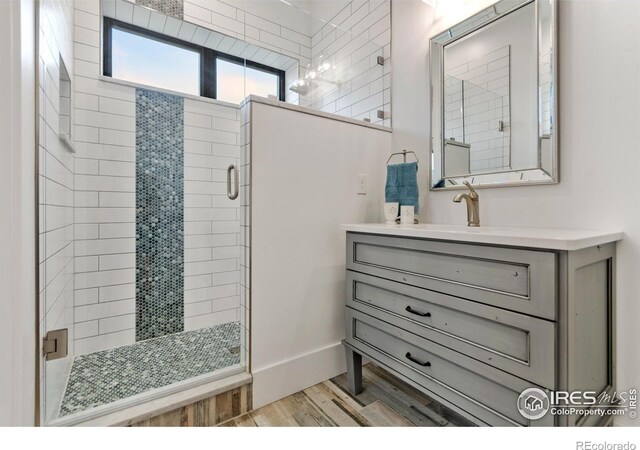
(514, 279)
(482, 391)
(521, 345)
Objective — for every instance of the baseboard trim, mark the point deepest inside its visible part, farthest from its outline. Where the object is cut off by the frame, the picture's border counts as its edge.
(287, 377)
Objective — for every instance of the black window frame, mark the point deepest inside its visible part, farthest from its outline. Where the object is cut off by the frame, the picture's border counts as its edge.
(208, 57)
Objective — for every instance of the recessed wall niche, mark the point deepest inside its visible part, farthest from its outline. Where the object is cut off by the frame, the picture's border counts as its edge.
(65, 108)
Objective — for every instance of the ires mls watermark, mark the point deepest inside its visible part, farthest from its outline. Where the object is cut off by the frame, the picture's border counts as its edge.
(534, 403)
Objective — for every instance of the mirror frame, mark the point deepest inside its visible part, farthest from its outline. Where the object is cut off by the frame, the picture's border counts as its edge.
(522, 177)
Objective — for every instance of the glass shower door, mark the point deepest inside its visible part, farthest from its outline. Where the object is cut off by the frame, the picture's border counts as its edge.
(140, 237)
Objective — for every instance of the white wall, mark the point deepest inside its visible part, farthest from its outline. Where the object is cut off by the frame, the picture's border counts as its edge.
(598, 166)
(17, 221)
(303, 188)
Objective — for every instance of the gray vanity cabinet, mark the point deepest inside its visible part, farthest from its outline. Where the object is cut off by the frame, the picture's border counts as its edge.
(473, 325)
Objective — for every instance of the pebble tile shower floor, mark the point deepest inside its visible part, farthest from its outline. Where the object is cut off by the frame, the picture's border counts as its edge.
(104, 377)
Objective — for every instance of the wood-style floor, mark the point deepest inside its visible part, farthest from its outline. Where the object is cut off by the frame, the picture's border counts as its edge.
(385, 402)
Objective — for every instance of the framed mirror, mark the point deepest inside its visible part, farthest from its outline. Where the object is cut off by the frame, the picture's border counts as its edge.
(494, 98)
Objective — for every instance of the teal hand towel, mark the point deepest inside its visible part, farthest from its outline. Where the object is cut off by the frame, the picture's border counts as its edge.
(402, 184)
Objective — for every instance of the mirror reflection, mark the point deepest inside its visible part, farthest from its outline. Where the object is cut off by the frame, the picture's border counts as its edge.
(476, 110)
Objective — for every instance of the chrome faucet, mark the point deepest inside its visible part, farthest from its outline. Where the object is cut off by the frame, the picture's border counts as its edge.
(473, 205)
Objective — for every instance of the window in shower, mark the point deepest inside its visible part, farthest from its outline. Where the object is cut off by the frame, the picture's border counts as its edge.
(152, 59)
(141, 59)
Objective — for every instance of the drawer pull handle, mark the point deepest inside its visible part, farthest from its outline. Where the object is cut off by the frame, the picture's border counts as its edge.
(412, 359)
(412, 311)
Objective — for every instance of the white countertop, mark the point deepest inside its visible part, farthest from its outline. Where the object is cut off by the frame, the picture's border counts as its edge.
(547, 238)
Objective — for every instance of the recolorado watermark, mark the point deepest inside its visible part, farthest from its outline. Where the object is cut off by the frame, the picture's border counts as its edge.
(589, 445)
(534, 403)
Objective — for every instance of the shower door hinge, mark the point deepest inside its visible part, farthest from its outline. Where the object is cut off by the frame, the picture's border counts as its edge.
(55, 344)
(380, 60)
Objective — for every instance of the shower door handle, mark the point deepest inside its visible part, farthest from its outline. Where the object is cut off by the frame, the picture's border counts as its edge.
(236, 182)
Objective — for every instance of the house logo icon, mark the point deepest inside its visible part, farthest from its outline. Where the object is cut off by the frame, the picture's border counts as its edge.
(533, 403)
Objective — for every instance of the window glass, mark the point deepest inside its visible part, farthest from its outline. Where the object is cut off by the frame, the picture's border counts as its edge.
(234, 77)
(147, 61)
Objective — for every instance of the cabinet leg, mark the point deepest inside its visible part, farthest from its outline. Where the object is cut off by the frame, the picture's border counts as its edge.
(354, 371)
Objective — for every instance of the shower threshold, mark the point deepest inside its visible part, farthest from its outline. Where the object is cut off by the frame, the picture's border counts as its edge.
(108, 376)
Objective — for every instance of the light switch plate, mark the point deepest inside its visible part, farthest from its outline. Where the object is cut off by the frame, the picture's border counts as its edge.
(362, 184)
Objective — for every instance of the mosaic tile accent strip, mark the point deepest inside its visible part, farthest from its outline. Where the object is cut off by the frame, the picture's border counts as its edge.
(159, 214)
(109, 375)
(173, 8)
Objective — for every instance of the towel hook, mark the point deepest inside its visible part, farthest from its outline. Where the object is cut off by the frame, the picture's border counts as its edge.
(404, 156)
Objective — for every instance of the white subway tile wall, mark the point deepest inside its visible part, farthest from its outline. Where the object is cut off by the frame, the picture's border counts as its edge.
(104, 198)
(212, 220)
(240, 20)
(56, 191)
(476, 100)
(350, 43)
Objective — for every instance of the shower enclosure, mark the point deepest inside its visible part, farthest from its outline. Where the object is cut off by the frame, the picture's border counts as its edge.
(143, 188)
